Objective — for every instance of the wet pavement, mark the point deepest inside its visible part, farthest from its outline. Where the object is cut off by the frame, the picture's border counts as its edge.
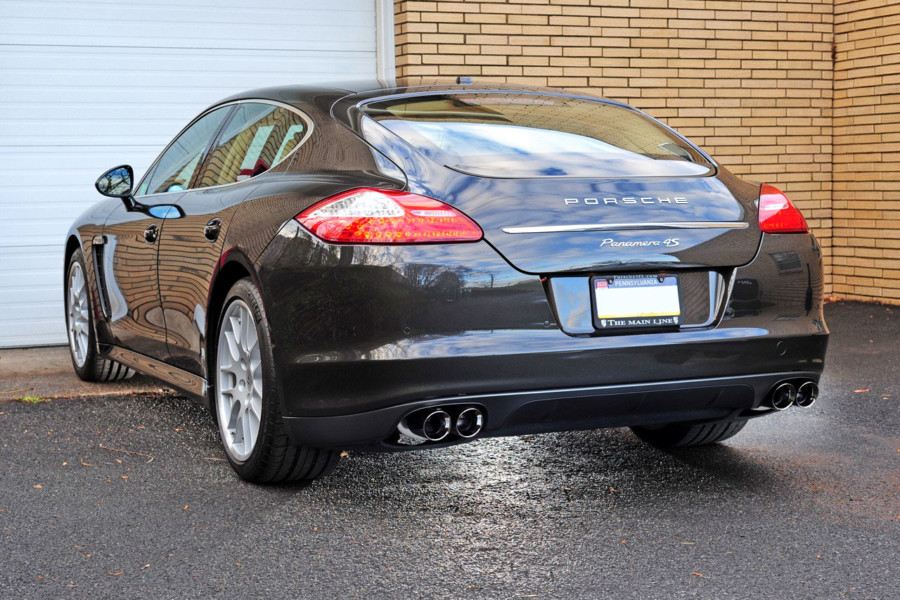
(130, 497)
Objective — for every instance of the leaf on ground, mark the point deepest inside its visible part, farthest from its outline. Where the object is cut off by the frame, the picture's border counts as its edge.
(861, 391)
(695, 573)
(345, 454)
(84, 464)
(38, 487)
(116, 574)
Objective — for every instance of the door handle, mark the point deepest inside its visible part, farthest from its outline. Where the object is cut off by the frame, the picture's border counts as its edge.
(211, 229)
(151, 233)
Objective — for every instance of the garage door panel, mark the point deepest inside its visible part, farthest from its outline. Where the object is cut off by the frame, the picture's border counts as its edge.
(150, 105)
(96, 131)
(38, 210)
(26, 73)
(27, 232)
(30, 286)
(75, 101)
(189, 26)
(117, 67)
(60, 167)
(104, 16)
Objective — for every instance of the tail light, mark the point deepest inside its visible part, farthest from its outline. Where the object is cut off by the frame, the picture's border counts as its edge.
(777, 214)
(371, 216)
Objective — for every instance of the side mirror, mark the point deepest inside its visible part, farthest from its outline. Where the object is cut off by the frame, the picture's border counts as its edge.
(117, 182)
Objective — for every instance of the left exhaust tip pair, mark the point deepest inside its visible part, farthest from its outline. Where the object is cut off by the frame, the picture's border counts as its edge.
(785, 395)
(436, 424)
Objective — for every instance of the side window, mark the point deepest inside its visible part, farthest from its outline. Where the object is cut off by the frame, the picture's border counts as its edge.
(176, 166)
(256, 137)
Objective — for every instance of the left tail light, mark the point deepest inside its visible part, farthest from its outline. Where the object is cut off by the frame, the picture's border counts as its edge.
(373, 216)
(777, 214)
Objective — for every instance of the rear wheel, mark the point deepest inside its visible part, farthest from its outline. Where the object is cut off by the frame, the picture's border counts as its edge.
(88, 364)
(246, 403)
(683, 435)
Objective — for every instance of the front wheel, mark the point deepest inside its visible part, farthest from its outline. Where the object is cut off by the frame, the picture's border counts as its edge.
(246, 403)
(684, 435)
(88, 364)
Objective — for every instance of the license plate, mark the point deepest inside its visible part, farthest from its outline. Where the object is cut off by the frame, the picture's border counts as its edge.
(636, 301)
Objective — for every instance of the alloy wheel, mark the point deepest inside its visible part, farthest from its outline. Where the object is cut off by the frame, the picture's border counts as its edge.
(78, 316)
(240, 381)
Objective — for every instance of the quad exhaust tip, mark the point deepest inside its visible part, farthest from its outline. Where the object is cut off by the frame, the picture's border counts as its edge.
(469, 423)
(426, 425)
(435, 424)
(807, 394)
(783, 396)
(802, 394)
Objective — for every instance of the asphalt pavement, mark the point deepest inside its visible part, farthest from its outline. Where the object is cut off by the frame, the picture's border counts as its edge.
(130, 497)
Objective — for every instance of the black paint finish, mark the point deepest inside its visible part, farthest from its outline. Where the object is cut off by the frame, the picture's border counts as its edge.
(358, 329)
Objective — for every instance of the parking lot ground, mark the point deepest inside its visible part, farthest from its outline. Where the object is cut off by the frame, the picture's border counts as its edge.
(130, 497)
(46, 372)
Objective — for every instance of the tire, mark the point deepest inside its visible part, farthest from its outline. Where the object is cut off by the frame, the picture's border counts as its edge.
(684, 435)
(245, 398)
(88, 364)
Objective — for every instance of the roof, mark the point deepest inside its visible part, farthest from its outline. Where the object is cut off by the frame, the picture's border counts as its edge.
(327, 93)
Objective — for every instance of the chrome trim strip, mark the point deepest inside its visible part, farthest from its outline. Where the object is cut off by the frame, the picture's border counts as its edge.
(628, 227)
(193, 384)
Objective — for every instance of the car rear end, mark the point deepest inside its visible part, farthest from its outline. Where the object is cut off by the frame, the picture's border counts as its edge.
(555, 262)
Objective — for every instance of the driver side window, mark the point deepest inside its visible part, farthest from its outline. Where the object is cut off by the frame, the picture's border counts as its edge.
(175, 168)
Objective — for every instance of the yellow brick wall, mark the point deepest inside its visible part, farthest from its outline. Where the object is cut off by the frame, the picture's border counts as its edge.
(751, 82)
(866, 262)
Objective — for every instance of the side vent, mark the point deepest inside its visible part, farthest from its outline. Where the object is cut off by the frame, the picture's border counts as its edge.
(99, 247)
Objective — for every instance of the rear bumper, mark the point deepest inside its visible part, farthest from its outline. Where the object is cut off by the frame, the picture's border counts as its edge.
(517, 413)
(364, 335)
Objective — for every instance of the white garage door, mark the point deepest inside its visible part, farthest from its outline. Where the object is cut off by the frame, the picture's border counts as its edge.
(87, 85)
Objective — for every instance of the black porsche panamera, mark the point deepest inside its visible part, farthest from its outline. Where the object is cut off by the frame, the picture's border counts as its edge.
(391, 268)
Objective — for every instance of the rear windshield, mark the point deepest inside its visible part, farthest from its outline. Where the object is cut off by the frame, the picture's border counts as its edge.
(532, 135)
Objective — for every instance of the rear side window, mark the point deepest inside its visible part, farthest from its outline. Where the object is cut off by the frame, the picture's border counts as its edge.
(256, 137)
(532, 135)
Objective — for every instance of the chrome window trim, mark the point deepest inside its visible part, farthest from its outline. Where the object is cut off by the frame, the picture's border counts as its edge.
(306, 119)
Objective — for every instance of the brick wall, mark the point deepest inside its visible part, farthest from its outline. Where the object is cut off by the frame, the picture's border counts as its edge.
(749, 81)
(866, 203)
